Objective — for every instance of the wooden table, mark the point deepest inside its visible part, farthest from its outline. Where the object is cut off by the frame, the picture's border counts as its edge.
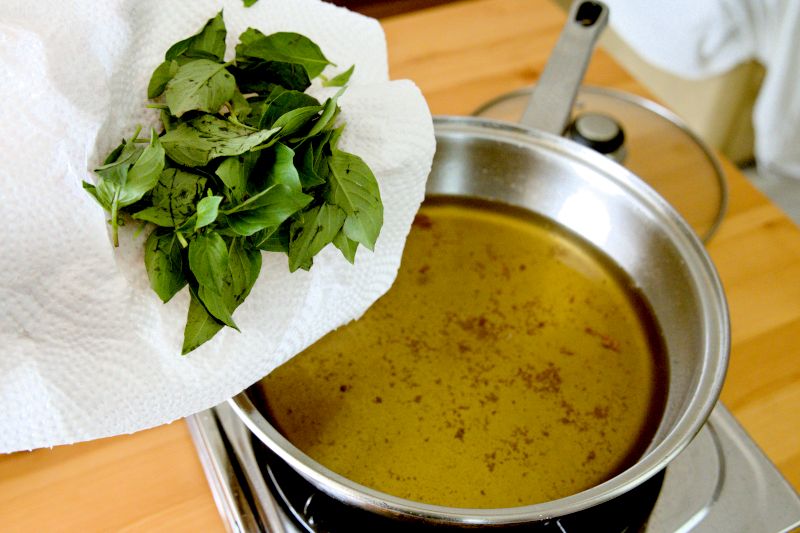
(460, 55)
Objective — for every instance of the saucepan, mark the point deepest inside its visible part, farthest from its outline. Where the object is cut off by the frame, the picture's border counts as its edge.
(529, 165)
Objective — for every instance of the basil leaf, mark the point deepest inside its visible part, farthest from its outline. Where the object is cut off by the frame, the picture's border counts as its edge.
(208, 260)
(168, 120)
(126, 156)
(216, 304)
(306, 172)
(126, 179)
(200, 325)
(333, 140)
(354, 188)
(329, 112)
(207, 210)
(173, 198)
(161, 76)
(286, 47)
(241, 107)
(266, 209)
(104, 202)
(245, 265)
(345, 245)
(233, 171)
(284, 102)
(272, 239)
(248, 3)
(208, 43)
(283, 170)
(200, 140)
(115, 153)
(291, 122)
(340, 80)
(262, 76)
(156, 215)
(144, 173)
(201, 85)
(107, 191)
(163, 260)
(311, 232)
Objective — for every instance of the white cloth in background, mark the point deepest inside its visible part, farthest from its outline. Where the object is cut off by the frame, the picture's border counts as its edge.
(699, 38)
(87, 349)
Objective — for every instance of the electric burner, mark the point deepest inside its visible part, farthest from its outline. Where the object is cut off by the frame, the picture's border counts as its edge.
(721, 482)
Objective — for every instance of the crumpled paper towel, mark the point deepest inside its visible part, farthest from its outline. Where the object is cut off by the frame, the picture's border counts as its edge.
(700, 39)
(87, 349)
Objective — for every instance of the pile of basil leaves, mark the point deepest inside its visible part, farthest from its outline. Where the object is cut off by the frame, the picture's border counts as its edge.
(247, 161)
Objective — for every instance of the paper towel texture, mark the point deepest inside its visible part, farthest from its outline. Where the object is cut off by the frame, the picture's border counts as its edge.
(88, 349)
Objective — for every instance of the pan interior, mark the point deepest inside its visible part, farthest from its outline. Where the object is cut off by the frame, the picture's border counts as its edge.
(510, 364)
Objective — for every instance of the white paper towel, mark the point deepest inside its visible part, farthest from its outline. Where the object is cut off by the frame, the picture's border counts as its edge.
(88, 350)
(700, 39)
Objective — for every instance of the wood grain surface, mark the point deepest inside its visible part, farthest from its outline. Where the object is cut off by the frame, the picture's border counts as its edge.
(461, 55)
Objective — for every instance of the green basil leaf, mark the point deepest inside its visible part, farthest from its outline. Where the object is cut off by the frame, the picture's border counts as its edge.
(216, 303)
(306, 171)
(266, 209)
(167, 120)
(118, 168)
(340, 80)
(173, 198)
(200, 140)
(345, 245)
(208, 260)
(234, 171)
(286, 47)
(272, 239)
(329, 112)
(291, 122)
(144, 173)
(201, 85)
(241, 107)
(324, 146)
(115, 153)
(283, 103)
(104, 202)
(311, 232)
(354, 188)
(245, 265)
(207, 210)
(107, 190)
(161, 76)
(248, 3)
(208, 43)
(156, 215)
(333, 140)
(200, 325)
(262, 76)
(163, 260)
(283, 171)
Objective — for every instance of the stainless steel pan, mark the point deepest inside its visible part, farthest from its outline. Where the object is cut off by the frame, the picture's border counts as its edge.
(532, 167)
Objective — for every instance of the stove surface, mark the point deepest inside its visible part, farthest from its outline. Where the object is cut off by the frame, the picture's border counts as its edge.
(720, 482)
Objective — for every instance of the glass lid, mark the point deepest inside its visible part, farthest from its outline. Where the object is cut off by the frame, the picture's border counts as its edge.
(648, 139)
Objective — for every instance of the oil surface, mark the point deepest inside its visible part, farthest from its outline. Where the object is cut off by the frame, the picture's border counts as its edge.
(509, 364)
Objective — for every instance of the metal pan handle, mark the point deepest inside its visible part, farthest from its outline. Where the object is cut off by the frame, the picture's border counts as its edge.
(551, 103)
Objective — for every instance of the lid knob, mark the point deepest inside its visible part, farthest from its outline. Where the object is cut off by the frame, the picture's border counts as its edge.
(599, 132)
